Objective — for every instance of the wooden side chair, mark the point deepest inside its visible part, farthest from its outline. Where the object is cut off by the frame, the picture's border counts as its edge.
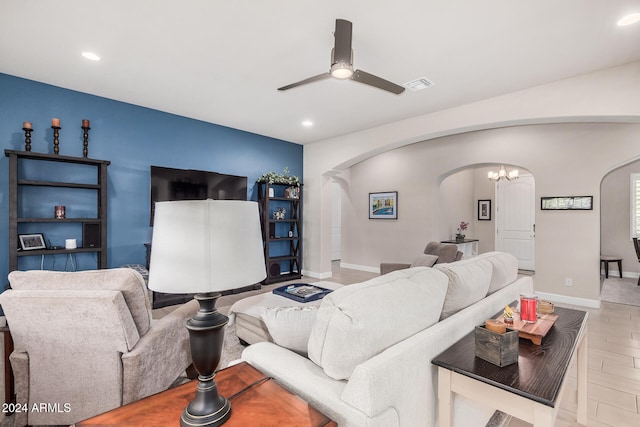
(636, 245)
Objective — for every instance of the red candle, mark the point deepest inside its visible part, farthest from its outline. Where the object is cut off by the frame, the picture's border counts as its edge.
(528, 308)
(85, 123)
(55, 122)
(27, 125)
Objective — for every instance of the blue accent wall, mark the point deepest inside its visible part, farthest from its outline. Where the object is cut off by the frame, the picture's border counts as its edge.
(133, 138)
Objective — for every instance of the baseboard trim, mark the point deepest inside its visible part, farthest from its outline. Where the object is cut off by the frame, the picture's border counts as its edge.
(625, 274)
(316, 275)
(564, 299)
(360, 267)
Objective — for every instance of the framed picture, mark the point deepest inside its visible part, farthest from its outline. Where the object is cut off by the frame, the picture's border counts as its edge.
(484, 210)
(30, 242)
(383, 205)
(567, 203)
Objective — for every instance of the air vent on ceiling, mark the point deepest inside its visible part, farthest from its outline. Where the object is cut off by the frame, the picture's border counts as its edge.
(419, 84)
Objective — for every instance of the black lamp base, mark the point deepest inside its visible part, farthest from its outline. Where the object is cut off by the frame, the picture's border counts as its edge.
(206, 333)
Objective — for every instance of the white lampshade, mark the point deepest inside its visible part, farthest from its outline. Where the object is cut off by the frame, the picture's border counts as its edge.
(206, 246)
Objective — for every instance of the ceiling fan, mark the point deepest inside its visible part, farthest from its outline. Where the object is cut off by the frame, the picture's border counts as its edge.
(342, 64)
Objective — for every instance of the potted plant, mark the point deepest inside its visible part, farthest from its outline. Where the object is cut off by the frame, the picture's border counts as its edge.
(461, 229)
(279, 178)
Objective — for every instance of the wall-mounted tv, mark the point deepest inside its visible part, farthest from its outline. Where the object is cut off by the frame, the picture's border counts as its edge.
(188, 184)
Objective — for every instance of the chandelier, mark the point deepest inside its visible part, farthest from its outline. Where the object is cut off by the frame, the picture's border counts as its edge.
(502, 173)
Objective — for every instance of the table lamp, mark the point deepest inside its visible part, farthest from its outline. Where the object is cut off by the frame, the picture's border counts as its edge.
(205, 247)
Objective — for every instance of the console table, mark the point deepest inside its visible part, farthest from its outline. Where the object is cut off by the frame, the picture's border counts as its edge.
(255, 400)
(528, 390)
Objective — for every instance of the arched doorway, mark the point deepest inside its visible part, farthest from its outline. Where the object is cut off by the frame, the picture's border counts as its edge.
(510, 225)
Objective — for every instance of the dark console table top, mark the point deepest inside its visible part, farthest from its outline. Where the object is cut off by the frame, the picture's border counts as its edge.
(540, 369)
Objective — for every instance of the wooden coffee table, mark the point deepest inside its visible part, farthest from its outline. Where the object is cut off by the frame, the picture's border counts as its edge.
(256, 400)
(528, 390)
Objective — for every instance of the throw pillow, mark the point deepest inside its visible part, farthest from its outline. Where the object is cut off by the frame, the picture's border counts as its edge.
(290, 327)
(424, 260)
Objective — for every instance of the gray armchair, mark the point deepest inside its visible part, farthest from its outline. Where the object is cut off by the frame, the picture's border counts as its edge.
(444, 252)
(85, 342)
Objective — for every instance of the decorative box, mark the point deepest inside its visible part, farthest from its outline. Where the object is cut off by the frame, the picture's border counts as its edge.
(499, 349)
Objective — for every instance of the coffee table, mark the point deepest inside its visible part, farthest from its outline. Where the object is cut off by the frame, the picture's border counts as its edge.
(528, 390)
(256, 400)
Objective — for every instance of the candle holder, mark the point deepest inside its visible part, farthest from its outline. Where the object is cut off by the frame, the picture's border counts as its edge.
(27, 138)
(85, 140)
(56, 139)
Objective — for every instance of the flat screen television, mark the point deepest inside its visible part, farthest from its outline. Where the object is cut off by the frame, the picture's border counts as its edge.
(187, 184)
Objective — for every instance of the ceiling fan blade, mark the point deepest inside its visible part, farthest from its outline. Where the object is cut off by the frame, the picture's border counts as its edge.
(375, 81)
(317, 78)
(342, 47)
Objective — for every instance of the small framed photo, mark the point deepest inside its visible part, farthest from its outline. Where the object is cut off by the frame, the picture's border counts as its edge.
(383, 205)
(30, 242)
(484, 210)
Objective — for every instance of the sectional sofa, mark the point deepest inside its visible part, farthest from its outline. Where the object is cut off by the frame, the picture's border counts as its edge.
(370, 345)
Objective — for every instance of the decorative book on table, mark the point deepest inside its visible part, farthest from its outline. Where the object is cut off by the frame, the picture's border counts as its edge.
(302, 292)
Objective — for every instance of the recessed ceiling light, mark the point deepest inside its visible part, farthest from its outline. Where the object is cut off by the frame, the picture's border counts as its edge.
(91, 56)
(307, 123)
(629, 19)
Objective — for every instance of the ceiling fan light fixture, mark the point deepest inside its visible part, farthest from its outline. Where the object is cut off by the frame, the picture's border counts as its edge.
(341, 70)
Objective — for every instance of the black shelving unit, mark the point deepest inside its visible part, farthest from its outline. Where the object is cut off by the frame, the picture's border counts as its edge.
(16, 182)
(282, 237)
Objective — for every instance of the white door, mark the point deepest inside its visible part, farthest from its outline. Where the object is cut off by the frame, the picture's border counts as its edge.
(515, 220)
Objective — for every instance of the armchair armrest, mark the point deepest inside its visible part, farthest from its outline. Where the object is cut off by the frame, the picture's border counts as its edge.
(388, 267)
(160, 356)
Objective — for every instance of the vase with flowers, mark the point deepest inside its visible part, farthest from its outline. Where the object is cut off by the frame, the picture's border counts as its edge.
(461, 229)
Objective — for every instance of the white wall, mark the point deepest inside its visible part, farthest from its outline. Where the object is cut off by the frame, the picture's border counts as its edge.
(565, 245)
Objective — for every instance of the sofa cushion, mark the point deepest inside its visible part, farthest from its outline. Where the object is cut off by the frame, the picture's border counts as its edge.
(505, 269)
(469, 281)
(125, 280)
(290, 327)
(424, 260)
(358, 321)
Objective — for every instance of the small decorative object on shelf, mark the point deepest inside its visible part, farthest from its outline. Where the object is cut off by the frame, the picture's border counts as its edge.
(85, 143)
(55, 125)
(279, 213)
(27, 127)
(60, 212)
(291, 192)
(461, 229)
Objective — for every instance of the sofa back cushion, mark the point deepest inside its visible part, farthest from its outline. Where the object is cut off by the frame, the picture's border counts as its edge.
(356, 322)
(505, 269)
(469, 282)
(129, 282)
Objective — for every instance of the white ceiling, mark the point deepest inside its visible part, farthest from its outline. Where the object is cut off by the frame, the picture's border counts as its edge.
(222, 61)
